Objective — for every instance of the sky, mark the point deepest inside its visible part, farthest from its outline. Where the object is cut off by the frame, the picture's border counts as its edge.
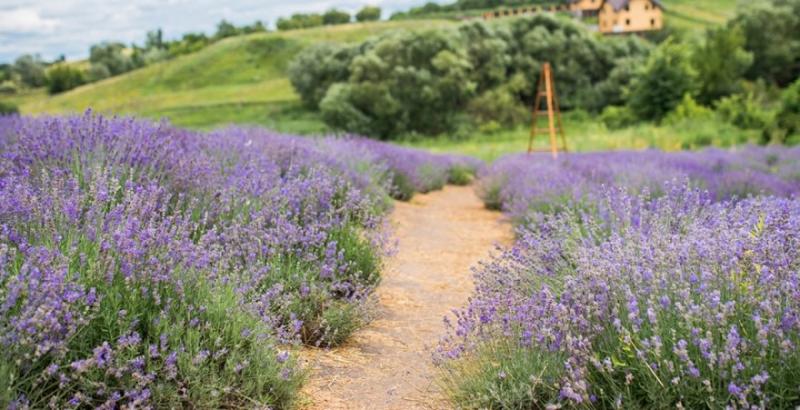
(51, 28)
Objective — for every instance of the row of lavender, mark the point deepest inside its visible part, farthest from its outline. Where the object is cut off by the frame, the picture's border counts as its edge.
(638, 280)
(144, 265)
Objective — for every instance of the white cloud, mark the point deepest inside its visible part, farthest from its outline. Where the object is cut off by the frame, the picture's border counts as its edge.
(55, 27)
(25, 21)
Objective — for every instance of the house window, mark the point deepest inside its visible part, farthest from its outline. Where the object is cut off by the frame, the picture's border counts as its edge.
(497, 14)
(627, 8)
(647, 7)
(627, 22)
(653, 22)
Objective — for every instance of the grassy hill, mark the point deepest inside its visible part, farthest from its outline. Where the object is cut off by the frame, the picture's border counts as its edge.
(699, 14)
(243, 79)
(239, 80)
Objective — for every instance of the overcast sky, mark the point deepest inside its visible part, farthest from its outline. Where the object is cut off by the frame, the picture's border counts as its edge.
(54, 27)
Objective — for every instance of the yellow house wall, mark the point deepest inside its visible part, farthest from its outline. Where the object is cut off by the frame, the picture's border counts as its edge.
(586, 5)
(642, 15)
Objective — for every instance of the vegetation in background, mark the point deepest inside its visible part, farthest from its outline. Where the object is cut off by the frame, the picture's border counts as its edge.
(63, 77)
(368, 13)
(466, 69)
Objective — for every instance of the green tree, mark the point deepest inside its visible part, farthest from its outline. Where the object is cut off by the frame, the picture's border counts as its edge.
(299, 21)
(318, 67)
(661, 85)
(770, 30)
(404, 82)
(721, 61)
(369, 13)
(7, 108)
(63, 77)
(334, 16)
(155, 40)
(112, 57)
(30, 70)
(226, 29)
(788, 118)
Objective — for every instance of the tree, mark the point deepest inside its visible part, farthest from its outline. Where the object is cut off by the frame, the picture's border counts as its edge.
(7, 108)
(788, 118)
(663, 82)
(721, 61)
(300, 20)
(770, 31)
(257, 27)
(369, 13)
(63, 77)
(318, 67)
(30, 70)
(403, 82)
(225, 29)
(155, 40)
(334, 16)
(112, 57)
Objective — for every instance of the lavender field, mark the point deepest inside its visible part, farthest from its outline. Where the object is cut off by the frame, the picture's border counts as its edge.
(143, 265)
(637, 280)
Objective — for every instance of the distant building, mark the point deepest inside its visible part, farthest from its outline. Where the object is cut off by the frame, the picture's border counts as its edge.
(630, 16)
(613, 16)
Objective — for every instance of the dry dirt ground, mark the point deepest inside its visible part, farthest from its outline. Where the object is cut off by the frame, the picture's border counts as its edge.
(387, 365)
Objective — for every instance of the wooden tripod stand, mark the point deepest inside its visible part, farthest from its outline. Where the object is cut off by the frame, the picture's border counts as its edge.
(547, 89)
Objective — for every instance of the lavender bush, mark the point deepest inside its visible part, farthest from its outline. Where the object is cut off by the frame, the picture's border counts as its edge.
(650, 281)
(524, 185)
(147, 266)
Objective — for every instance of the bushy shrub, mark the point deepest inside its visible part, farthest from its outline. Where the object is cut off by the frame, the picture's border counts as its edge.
(770, 29)
(688, 109)
(618, 117)
(497, 105)
(721, 62)
(317, 67)
(8, 108)
(368, 13)
(788, 118)
(663, 82)
(30, 70)
(404, 82)
(64, 78)
(299, 21)
(334, 16)
(744, 111)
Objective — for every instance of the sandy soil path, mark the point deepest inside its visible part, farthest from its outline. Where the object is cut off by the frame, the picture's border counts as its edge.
(387, 364)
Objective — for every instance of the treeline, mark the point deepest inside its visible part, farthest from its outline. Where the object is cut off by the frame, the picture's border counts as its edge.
(484, 76)
(109, 59)
(329, 18)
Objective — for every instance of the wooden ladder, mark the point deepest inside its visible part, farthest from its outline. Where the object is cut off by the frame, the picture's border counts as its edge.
(547, 89)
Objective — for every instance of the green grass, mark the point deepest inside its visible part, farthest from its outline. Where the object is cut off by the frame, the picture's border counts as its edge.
(694, 14)
(585, 133)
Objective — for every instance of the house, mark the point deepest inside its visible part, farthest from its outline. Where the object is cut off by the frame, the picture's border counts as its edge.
(613, 16)
(630, 16)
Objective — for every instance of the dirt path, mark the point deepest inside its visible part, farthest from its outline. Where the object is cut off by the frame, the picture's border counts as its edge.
(387, 365)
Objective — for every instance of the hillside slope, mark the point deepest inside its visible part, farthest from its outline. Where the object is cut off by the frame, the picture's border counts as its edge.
(241, 80)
